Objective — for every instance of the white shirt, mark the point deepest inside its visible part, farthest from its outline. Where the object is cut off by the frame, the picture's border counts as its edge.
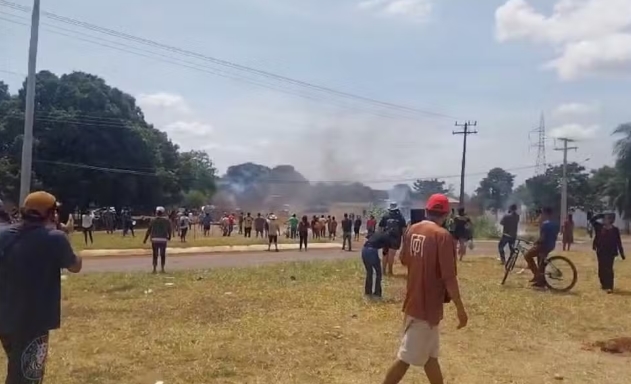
(87, 220)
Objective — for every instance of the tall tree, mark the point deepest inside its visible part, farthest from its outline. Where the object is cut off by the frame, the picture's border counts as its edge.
(92, 145)
(622, 150)
(425, 188)
(545, 189)
(495, 189)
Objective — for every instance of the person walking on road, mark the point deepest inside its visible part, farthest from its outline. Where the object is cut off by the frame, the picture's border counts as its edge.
(303, 232)
(567, 232)
(347, 231)
(370, 258)
(608, 246)
(510, 225)
(429, 253)
(159, 232)
(31, 257)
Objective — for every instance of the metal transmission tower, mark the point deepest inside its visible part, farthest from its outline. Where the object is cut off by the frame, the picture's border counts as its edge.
(541, 164)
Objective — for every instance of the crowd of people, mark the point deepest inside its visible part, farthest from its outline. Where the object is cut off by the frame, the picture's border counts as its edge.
(429, 249)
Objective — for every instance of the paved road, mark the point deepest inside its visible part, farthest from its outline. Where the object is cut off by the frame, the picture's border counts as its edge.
(235, 259)
(245, 259)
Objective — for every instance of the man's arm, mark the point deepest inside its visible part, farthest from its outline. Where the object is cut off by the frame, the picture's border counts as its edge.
(66, 257)
(594, 221)
(619, 244)
(404, 255)
(448, 272)
(148, 233)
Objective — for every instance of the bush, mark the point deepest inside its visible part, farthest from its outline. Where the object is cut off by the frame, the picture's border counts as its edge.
(485, 227)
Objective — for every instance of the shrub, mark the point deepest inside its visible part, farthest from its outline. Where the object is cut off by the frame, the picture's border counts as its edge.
(485, 227)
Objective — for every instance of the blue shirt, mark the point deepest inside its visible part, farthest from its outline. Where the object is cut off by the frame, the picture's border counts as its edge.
(548, 234)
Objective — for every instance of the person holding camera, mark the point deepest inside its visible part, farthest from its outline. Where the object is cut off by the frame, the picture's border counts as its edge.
(608, 246)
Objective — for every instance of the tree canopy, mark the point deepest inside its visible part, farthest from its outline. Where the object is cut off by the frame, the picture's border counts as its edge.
(425, 188)
(495, 189)
(92, 146)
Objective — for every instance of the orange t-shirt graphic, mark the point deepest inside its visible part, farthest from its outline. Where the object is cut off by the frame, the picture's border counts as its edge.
(429, 253)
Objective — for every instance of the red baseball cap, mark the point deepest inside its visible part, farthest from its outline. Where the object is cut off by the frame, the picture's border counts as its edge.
(438, 203)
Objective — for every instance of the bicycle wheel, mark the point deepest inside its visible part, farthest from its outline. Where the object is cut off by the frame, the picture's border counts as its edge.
(560, 273)
(510, 264)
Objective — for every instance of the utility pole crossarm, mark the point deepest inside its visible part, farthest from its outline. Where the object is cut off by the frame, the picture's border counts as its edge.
(465, 132)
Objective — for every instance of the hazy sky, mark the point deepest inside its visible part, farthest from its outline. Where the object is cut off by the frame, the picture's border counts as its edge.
(495, 61)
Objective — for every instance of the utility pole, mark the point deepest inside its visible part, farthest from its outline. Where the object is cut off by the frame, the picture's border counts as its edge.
(27, 140)
(565, 148)
(465, 132)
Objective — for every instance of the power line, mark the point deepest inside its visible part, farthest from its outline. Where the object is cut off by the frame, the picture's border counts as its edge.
(278, 181)
(227, 64)
(209, 70)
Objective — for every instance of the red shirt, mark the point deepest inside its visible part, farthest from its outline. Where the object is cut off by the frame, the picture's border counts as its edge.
(371, 223)
(429, 253)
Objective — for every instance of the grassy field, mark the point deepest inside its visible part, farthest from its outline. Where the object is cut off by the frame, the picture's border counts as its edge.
(103, 240)
(308, 323)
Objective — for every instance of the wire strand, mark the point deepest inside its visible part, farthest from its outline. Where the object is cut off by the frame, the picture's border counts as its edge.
(225, 63)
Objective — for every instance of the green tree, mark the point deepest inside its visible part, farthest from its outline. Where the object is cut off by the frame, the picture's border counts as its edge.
(545, 189)
(620, 187)
(495, 189)
(195, 199)
(425, 188)
(93, 146)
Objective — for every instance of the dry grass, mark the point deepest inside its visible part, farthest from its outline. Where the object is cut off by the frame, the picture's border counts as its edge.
(259, 325)
(103, 240)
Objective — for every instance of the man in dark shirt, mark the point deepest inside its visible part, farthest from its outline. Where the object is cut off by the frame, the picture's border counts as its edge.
(347, 230)
(510, 224)
(31, 258)
(357, 224)
(393, 223)
(370, 258)
(608, 246)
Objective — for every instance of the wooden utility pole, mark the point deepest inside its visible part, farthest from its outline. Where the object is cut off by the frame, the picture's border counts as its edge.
(565, 148)
(465, 132)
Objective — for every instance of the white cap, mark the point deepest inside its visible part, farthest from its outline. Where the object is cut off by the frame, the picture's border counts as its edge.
(160, 209)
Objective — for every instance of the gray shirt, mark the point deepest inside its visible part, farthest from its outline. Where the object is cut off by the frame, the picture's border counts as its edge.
(510, 224)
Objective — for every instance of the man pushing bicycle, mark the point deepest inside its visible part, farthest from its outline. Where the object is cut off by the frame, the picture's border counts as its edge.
(535, 257)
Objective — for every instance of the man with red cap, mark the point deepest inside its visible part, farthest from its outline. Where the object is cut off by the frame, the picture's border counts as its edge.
(429, 253)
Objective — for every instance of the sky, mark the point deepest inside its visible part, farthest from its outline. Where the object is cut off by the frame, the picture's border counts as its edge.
(498, 62)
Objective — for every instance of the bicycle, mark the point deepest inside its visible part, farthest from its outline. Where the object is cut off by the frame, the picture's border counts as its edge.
(552, 268)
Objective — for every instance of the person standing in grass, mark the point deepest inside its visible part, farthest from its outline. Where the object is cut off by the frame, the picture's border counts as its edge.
(31, 257)
(357, 224)
(429, 253)
(332, 228)
(293, 226)
(248, 221)
(371, 225)
(372, 263)
(159, 232)
(347, 230)
(87, 225)
(274, 231)
(259, 225)
(303, 231)
(568, 232)
(206, 223)
(185, 224)
(608, 246)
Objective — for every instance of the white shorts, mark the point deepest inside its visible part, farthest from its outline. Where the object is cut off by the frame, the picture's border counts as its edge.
(420, 342)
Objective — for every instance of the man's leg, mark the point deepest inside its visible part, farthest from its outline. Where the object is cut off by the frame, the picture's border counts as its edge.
(384, 259)
(26, 358)
(530, 260)
(500, 247)
(392, 253)
(163, 256)
(366, 259)
(350, 241)
(376, 264)
(608, 275)
(396, 372)
(154, 250)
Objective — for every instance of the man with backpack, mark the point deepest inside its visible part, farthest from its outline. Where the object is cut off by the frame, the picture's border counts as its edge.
(32, 254)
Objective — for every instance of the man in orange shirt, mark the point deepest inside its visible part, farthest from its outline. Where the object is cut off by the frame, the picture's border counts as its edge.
(429, 253)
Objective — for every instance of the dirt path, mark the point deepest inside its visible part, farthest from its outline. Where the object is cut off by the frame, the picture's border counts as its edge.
(237, 259)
